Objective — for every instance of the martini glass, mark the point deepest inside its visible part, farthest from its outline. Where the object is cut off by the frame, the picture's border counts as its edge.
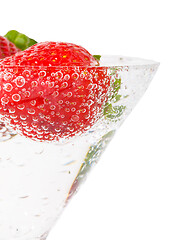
(38, 178)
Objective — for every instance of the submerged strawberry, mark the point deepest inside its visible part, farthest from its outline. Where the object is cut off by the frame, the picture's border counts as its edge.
(7, 48)
(52, 90)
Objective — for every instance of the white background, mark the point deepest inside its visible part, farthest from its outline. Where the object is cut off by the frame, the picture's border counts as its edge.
(139, 188)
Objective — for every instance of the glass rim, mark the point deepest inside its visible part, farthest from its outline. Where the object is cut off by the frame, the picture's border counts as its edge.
(123, 62)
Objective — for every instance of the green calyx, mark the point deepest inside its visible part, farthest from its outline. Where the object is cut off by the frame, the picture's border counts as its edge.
(20, 40)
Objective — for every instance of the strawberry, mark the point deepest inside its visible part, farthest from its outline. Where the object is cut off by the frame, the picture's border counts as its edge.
(7, 48)
(52, 90)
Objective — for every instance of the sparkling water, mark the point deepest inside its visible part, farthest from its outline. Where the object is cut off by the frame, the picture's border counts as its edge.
(37, 179)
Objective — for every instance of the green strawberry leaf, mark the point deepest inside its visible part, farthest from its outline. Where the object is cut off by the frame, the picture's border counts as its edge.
(11, 35)
(117, 85)
(113, 112)
(92, 157)
(31, 42)
(95, 150)
(20, 40)
(117, 97)
(97, 57)
(110, 111)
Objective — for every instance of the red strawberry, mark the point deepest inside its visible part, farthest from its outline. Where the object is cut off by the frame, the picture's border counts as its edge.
(7, 48)
(52, 90)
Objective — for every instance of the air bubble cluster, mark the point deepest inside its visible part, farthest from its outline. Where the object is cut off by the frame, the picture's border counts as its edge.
(5, 132)
(49, 103)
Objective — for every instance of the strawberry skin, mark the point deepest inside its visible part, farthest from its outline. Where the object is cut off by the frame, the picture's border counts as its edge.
(7, 48)
(53, 54)
(52, 90)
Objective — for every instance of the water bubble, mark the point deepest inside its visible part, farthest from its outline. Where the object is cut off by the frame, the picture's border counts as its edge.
(87, 116)
(57, 129)
(42, 74)
(20, 81)
(21, 106)
(83, 110)
(75, 118)
(75, 76)
(35, 119)
(8, 76)
(82, 75)
(90, 102)
(16, 97)
(64, 85)
(11, 110)
(26, 73)
(39, 136)
(34, 125)
(95, 86)
(58, 75)
(34, 83)
(24, 123)
(8, 87)
(78, 112)
(23, 117)
(69, 94)
(40, 93)
(73, 109)
(67, 110)
(45, 127)
(31, 111)
(90, 86)
(33, 102)
(52, 107)
(51, 84)
(71, 129)
(27, 94)
(89, 76)
(13, 116)
(67, 77)
(55, 94)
